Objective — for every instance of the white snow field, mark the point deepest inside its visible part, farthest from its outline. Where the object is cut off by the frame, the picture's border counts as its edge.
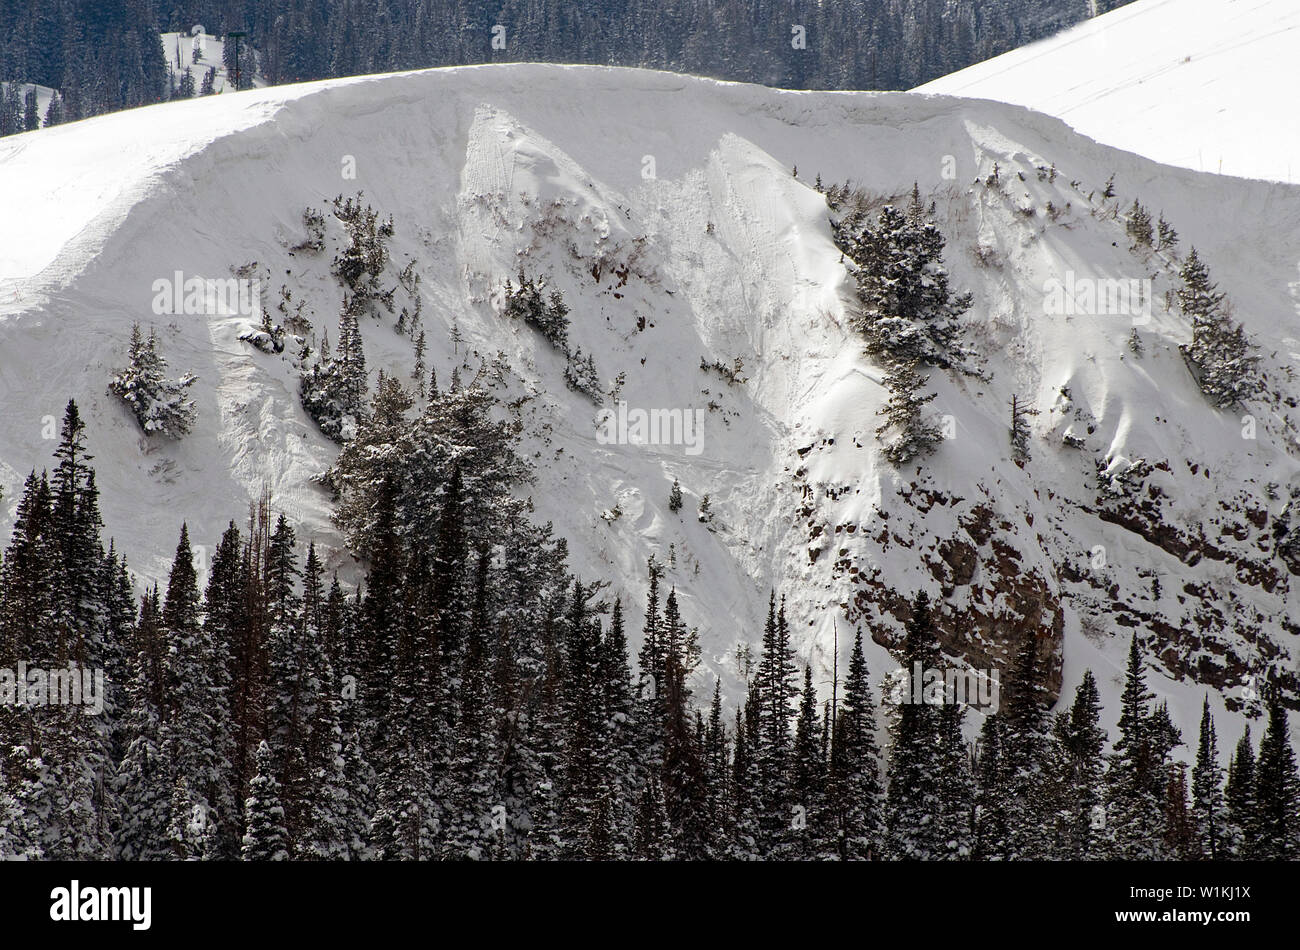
(665, 209)
(1204, 84)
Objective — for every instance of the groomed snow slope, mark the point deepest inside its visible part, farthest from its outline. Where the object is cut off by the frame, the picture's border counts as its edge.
(1204, 84)
(726, 255)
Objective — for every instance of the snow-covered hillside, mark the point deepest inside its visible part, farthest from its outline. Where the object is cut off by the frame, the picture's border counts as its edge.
(1204, 84)
(665, 209)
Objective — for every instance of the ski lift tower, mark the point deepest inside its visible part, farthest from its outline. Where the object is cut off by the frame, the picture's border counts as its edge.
(236, 35)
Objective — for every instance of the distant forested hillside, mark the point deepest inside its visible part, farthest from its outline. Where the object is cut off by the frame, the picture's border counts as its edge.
(104, 55)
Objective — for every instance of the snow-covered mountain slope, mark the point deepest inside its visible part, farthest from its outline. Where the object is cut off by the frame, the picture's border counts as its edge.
(1204, 84)
(665, 210)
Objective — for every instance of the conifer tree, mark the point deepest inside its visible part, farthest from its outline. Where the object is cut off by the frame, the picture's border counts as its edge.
(1223, 355)
(1277, 788)
(266, 838)
(1166, 236)
(992, 823)
(1136, 778)
(1207, 793)
(808, 776)
(909, 314)
(159, 404)
(855, 789)
(1025, 745)
(907, 433)
(776, 691)
(916, 754)
(1241, 829)
(1083, 742)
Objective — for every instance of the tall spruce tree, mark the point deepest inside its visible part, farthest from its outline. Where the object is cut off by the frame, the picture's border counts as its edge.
(1207, 793)
(916, 757)
(855, 788)
(1277, 788)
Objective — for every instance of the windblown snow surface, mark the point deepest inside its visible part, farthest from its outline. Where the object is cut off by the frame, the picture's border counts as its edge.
(1204, 84)
(720, 254)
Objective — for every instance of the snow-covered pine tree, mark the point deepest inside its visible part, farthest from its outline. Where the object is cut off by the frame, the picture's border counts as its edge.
(159, 404)
(1166, 236)
(1138, 225)
(1020, 433)
(1241, 827)
(191, 696)
(916, 755)
(619, 727)
(266, 838)
(1207, 793)
(1225, 359)
(814, 832)
(992, 828)
(549, 317)
(1083, 742)
(1277, 788)
(290, 698)
(333, 391)
(224, 625)
(956, 790)
(685, 788)
(1179, 840)
(1026, 744)
(1137, 774)
(907, 433)
(908, 311)
(581, 375)
(855, 789)
(775, 687)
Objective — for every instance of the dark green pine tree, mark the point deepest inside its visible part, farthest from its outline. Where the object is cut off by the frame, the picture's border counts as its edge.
(650, 660)
(1025, 746)
(584, 758)
(473, 774)
(188, 714)
(289, 696)
(1082, 742)
(145, 776)
(327, 832)
(775, 689)
(75, 747)
(1207, 793)
(1228, 364)
(915, 794)
(1136, 777)
(813, 833)
(1277, 788)
(744, 801)
(992, 825)
(717, 763)
(649, 841)
(620, 741)
(685, 773)
(266, 838)
(1241, 828)
(855, 791)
